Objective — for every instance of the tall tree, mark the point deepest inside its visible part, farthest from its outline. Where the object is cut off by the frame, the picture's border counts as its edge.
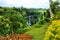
(54, 7)
(51, 13)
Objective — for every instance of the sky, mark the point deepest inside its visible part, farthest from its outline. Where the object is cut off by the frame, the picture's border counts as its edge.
(25, 3)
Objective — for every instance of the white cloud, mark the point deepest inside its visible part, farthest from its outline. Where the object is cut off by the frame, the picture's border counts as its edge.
(28, 3)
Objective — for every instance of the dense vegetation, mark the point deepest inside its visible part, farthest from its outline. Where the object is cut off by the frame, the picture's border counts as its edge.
(35, 22)
(18, 20)
(53, 32)
(52, 29)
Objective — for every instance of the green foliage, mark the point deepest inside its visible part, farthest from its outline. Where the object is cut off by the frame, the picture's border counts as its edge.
(17, 19)
(14, 23)
(54, 5)
(19, 28)
(55, 9)
(4, 26)
(18, 23)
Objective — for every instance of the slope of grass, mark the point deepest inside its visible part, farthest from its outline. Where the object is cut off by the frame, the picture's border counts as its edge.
(37, 33)
(42, 11)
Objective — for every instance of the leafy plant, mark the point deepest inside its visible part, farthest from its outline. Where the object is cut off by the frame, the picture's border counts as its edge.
(4, 26)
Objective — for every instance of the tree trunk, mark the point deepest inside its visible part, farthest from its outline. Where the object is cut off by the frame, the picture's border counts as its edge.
(51, 13)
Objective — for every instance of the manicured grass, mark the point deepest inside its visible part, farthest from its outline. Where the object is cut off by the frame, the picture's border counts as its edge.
(37, 33)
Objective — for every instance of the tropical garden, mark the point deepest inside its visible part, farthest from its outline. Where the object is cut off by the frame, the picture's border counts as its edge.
(40, 24)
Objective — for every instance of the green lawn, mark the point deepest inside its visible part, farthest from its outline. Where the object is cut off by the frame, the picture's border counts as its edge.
(37, 33)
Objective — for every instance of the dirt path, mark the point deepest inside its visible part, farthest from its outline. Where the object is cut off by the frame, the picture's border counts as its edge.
(16, 37)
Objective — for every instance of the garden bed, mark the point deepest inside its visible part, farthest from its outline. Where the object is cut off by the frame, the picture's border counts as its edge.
(16, 37)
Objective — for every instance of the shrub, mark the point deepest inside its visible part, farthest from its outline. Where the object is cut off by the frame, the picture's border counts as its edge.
(53, 32)
(19, 28)
(7, 26)
(4, 26)
(18, 24)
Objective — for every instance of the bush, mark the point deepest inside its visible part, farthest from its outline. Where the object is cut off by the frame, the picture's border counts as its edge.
(4, 26)
(7, 26)
(18, 24)
(19, 28)
(53, 32)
